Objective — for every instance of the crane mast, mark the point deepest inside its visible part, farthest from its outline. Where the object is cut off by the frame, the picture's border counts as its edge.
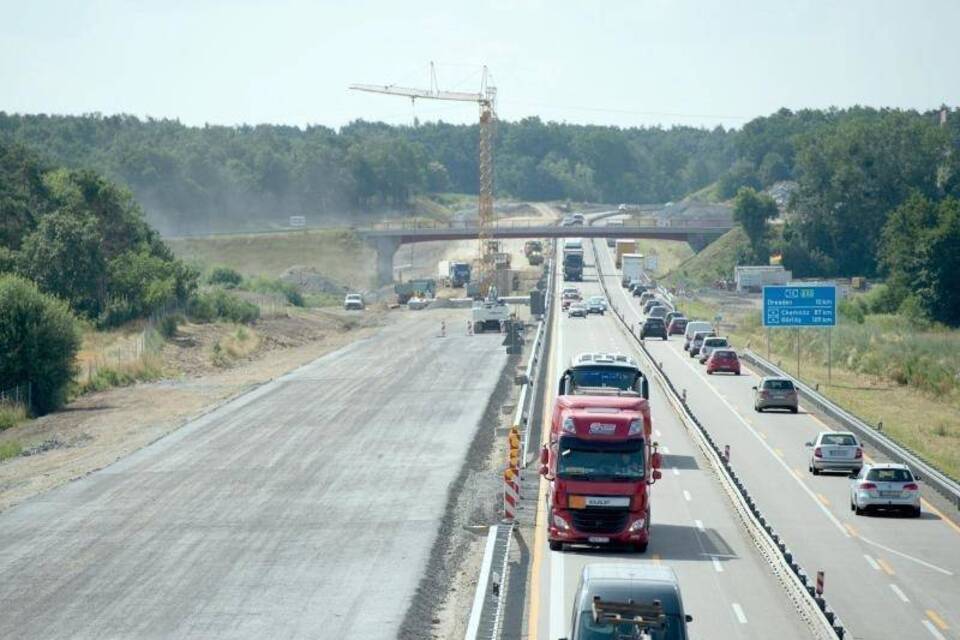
(486, 99)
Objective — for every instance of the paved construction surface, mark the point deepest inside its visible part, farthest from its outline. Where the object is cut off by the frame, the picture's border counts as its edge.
(886, 576)
(305, 509)
(727, 585)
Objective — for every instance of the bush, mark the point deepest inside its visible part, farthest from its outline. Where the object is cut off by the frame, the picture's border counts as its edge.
(169, 324)
(288, 290)
(10, 450)
(11, 415)
(39, 339)
(217, 304)
(225, 276)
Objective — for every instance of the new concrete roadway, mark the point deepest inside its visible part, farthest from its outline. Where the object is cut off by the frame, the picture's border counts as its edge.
(886, 577)
(727, 585)
(305, 509)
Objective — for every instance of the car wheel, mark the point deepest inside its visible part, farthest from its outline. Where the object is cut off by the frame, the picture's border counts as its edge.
(641, 547)
(664, 337)
(816, 471)
(915, 513)
(555, 545)
(852, 508)
(793, 409)
(857, 510)
(736, 373)
(709, 373)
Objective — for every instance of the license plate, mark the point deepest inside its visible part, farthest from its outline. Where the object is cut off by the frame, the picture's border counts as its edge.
(890, 494)
(837, 453)
(598, 539)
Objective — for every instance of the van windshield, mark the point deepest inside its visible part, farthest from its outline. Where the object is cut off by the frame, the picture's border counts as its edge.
(590, 630)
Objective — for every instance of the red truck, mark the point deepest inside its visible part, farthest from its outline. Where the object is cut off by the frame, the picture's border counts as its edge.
(600, 459)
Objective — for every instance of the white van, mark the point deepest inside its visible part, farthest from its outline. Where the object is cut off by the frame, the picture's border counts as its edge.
(693, 327)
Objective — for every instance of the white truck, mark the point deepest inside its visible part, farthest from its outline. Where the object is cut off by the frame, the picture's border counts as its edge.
(490, 312)
(753, 278)
(631, 267)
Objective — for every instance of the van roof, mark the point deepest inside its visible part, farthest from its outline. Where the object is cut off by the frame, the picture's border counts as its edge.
(635, 581)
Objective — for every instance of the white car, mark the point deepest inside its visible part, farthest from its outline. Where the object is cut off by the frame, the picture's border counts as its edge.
(835, 450)
(884, 486)
(353, 301)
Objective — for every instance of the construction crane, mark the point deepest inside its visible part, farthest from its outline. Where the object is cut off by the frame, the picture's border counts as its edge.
(486, 98)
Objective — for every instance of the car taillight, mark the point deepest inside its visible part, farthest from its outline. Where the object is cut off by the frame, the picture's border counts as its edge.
(858, 453)
(817, 453)
(764, 394)
(868, 486)
(910, 487)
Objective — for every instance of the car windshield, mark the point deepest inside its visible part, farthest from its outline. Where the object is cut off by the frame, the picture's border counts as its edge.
(654, 322)
(890, 475)
(591, 630)
(600, 460)
(613, 377)
(716, 342)
(838, 439)
(778, 385)
(596, 300)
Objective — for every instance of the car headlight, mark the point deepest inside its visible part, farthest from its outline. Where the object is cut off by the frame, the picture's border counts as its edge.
(637, 525)
(560, 523)
(568, 426)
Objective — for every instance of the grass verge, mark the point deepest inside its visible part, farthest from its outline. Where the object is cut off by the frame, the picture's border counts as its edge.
(10, 450)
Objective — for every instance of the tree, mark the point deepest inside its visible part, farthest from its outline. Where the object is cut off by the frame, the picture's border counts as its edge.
(743, 173)
(752, 210)
(39, 340)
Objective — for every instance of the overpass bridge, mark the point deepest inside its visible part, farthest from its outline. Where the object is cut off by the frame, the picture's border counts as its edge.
(387, 238)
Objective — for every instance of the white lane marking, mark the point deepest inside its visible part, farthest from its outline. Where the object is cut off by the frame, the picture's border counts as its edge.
(665, 449)
(872, 562)
(933, 630)
(716, 564)
(676, 471)
(699, 525)
(557, 609)
(773, 454)
(657, 431)
(900, 594)
(686, 495)
(738, 611)
(907, 556)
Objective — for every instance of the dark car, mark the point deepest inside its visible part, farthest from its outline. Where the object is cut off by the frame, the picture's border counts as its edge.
(650, 304)
(677, 326)
(653, 328)
(628, 601)
(639, 289)
(670, 316)
(646, 297)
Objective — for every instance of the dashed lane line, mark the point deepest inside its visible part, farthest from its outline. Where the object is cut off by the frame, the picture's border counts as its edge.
(900, 594)
(738, 611)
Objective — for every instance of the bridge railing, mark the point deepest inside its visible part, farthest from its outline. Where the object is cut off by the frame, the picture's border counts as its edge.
(469, 225)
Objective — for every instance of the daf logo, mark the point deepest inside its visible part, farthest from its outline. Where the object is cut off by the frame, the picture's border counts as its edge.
(602, 428)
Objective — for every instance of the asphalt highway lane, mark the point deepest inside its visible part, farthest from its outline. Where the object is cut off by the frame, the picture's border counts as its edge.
(727, 585)
(304, 509)
(887, 577)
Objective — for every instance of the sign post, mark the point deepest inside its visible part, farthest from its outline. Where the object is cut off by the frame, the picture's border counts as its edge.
(801, 306)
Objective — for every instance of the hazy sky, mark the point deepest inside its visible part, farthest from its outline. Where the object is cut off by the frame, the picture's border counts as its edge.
(640, 62)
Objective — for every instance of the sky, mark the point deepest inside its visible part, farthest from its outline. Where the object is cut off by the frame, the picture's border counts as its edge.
(624, 63)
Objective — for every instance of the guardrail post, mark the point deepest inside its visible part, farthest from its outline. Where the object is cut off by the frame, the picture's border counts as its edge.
(726, 452)
(683, 396)
(819, 583)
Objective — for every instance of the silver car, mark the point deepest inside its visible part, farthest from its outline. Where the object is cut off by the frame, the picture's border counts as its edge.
(775, 393)
(835, 450)
(885, 486)
(710, 345)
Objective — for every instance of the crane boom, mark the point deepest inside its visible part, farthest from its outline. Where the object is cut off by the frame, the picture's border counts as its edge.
(426, 94)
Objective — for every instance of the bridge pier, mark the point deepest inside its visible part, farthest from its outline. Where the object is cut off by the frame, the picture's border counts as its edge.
(699, 241)
(386, 248)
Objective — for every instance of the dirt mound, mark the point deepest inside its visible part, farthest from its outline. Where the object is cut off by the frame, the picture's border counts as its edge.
(310, 280)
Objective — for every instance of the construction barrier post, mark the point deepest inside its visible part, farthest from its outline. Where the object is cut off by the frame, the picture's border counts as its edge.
(469, 328)
(726, 452)
(819, 583)
(443, 329)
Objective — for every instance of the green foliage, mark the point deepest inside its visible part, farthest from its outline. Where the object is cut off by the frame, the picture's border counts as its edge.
(742, 174)
(752, 211)
(225, 276)
(39, 339)
(169, 324)
(10, 450)
(217, 304)
(288, 290)
(11, 415)
(122, 376)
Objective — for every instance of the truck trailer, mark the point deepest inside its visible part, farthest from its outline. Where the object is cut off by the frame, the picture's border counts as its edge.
(622, 247)
(631, 268)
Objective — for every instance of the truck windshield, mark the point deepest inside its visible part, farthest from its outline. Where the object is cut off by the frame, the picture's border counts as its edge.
(573, 259)
(613, 377)
(600, 460)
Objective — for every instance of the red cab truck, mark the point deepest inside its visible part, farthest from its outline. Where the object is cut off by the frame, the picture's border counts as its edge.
(600, 459)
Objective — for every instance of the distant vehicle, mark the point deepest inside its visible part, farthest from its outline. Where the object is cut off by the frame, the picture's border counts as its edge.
(650, 304)
(535, 258)
(631, 265)
(670, 316)
(612, 242)
(637, 288)
(577, 310)
(620, 248)
(353, 302)
(422, 288)
(489, 313)
(692, 327)
(723, 360)
(628, 601)
(454, 272)
(653, 328)
(596, 304)
(646, 297)
(697, 342)
(566, 222)
(677, 326)
(885, 486)
(531, 246)
(573, 261)
(659, 311)
(775, 393)
(709, 344)
(573, 291)
(835, 450)
(416, 303)
(578, 218)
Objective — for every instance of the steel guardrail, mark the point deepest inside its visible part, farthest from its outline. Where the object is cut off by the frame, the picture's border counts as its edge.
(933, 477)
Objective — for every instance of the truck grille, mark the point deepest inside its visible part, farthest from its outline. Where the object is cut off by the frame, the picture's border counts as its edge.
(599, 520)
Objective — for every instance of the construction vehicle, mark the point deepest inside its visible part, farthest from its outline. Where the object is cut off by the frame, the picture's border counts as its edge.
(490, 312)
(600, 458)
(532, 246)
(455, 273)
(622, 247)
(421, 288)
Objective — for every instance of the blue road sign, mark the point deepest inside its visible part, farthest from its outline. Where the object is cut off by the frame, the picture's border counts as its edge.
(800, 306)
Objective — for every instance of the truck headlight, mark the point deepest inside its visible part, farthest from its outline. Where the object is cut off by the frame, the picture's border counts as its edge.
(560, 523)
(568, 426)
(637, 525)
(636, 428)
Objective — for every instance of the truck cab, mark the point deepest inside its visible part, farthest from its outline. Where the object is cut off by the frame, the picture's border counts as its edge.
(573, 262)
(600, 458)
